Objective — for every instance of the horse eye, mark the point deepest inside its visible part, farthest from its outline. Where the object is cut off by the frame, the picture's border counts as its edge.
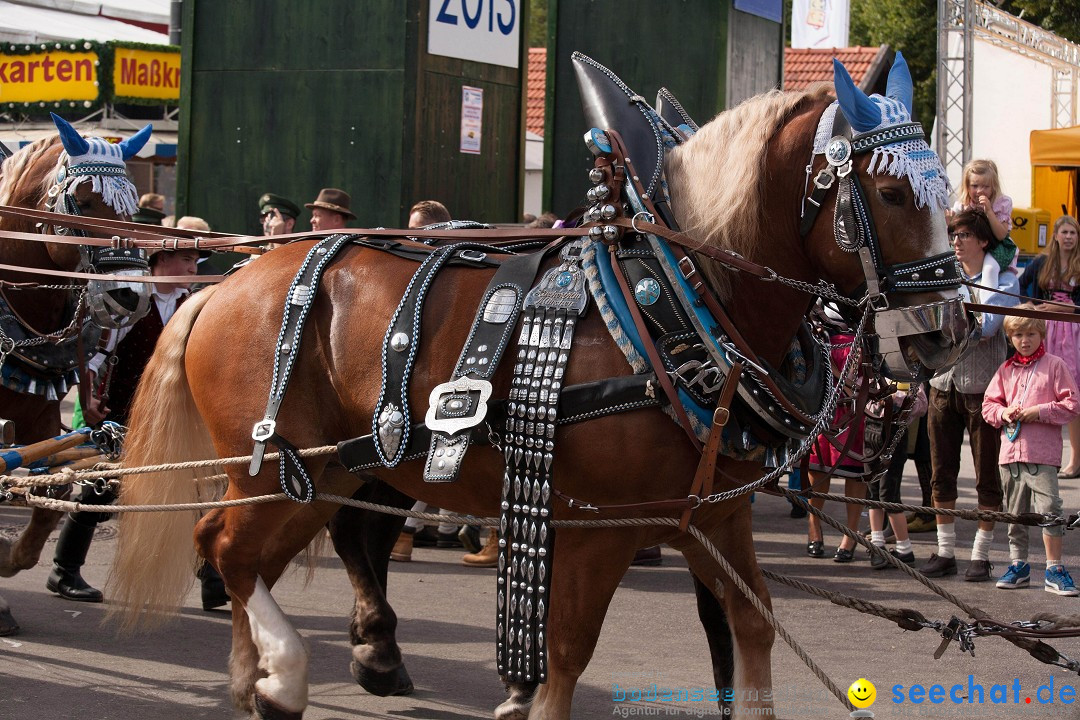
(891, 196)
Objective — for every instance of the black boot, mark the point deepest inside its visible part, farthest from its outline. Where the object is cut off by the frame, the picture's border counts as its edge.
(213, 587)
(71, 550)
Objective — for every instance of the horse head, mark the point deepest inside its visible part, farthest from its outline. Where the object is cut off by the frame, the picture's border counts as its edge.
(866, 215)
(73, 175)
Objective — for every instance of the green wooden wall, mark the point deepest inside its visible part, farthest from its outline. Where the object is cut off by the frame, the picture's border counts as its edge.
(684, 45)
(291, 97)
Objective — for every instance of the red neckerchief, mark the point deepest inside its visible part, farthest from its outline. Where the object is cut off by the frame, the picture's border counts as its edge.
(1018, 359)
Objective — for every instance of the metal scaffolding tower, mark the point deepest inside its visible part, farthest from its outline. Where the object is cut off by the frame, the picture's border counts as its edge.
(960, 23)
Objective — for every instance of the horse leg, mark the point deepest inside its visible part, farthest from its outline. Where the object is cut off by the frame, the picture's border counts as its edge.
(363, 539)
(730, 533)
(24, 553)
(718, 633)
(8, 626)
(269, 665)
(589, 563)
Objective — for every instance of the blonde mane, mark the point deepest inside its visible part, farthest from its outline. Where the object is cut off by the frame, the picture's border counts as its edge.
(16, 187)
(717, 178)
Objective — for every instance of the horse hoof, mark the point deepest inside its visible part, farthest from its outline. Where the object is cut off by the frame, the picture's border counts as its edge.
(267, 709)
(383, 683)
(8, 626)
(512, 710)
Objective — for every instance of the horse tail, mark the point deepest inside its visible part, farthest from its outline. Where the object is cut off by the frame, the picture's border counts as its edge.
(155, 558)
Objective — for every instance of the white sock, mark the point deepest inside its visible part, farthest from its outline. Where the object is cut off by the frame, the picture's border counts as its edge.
(946, 540)
(877, 537)
(903, 546)
(981, 549)
(1052, 563)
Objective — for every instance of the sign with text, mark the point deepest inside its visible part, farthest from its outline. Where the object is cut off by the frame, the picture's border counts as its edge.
(819, 23)
(472, 115)
(48, 76)
(486, 31)
(149, 74)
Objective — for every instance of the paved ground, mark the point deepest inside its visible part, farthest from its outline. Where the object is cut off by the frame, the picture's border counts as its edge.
(67, 664)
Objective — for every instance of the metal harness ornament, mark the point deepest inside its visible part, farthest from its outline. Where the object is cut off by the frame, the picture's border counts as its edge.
(526, 537)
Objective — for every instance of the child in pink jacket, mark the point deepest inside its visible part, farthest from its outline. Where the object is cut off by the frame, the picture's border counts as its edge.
(1031, 396)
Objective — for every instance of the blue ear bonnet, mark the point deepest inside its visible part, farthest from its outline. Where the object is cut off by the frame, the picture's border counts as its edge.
(911, 158)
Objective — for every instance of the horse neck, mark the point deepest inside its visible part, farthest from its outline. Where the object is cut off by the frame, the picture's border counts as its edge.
(768, 314)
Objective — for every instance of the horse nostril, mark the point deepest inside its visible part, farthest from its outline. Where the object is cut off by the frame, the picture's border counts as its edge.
(125, 298)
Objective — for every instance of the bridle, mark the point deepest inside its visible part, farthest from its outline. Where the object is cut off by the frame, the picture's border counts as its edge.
(855, 232)
(112, 304)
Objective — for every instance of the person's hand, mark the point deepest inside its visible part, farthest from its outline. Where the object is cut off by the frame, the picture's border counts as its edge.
(95, 411)
(274, 223)
(1030, 414)
(983, 205)
(1009, 413)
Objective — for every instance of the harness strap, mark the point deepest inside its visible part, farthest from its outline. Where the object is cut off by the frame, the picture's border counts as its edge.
(654, 356)
(298, 301)
(706, 471)
(391, 421)
(577, 403)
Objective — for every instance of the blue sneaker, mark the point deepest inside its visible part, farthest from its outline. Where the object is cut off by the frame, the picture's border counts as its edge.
(1059, 582)
(1019, 575)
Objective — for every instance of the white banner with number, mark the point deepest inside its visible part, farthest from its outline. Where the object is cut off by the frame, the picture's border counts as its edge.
(819, 23)
(486, 31)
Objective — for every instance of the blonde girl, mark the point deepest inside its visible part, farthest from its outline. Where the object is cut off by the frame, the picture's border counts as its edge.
(1055, 275)
(981, 192)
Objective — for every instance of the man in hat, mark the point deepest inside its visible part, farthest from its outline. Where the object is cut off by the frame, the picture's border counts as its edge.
(330, 211)
(151, 210)
(277, 214)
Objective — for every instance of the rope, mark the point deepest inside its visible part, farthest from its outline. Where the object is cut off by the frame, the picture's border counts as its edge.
(1037, 519)
(906, 618)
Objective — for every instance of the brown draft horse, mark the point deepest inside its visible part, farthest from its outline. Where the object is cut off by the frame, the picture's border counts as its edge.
(25, 181)
(207, 382)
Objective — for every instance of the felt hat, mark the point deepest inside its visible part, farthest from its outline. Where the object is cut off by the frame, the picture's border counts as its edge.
(333, 199)
(147, 216)
(269, 202)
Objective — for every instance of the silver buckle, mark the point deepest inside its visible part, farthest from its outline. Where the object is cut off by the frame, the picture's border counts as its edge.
(465, 384)
(263, 430)
(472, 255)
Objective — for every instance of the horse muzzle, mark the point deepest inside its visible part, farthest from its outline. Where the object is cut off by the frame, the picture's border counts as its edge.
(918, 341)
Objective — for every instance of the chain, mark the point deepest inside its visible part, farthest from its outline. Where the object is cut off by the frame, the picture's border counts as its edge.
(36, 286)
(41, 339)
(821, 289)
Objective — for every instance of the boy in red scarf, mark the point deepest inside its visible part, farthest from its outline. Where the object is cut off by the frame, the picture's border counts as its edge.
(1031, 396)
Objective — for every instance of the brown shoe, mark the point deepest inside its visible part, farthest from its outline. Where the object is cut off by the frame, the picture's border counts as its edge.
(488, 557)
(978, 571)
(647, 557)
(938, 566)
(402, 551)
(921, 524)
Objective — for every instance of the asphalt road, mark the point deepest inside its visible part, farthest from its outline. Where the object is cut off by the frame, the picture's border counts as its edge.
(66, 663)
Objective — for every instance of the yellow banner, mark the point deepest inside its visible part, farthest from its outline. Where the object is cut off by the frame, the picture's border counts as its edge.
(153, 74)
(48, 76)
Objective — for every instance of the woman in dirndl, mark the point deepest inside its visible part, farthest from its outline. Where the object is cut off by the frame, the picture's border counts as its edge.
(826, 461)
(1055, 275)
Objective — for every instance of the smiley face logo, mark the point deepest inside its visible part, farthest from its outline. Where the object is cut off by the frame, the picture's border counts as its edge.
(862, 693)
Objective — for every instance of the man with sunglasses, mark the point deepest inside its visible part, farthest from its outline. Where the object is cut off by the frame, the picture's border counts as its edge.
(956, 406)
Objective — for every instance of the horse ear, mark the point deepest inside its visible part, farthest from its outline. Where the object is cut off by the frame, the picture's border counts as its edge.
(899, 85)
(861, 112)
(135, 143)
(74, 143)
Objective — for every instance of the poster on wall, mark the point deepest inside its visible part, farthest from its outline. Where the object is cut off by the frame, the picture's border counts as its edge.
(472, 113)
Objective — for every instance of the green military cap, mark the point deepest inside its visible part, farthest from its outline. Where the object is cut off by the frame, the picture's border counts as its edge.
(148, 216)
(287, 207)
